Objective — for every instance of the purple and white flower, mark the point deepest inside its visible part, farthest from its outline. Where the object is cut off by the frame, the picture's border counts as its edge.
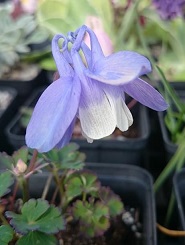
(91, 90)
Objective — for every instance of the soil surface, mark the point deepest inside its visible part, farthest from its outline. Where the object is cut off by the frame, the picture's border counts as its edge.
(132, 132)
(119, 233)
(22, 72)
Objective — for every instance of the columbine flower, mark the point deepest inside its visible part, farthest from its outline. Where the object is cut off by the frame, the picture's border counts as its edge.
(169, 9)
(93, 92)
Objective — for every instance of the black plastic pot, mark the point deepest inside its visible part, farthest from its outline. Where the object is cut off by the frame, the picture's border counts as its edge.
(4, 112)
(127, 150)
(132, 183)
(6, 115)
(169, 146)
(14, 132)
(179, 190)
(25, 87)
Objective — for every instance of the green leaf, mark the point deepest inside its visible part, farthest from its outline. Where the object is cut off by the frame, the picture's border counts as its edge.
(111, 200)
(48, 64)
(6, 234)
(64, 9)
(6, 160)
(26, 113)
(37, 215)
(6, 180)
(37, 238)
(52, 19)
(93, 218)
(81, 182)
(66, 158)
(38, 36)
(104, 10)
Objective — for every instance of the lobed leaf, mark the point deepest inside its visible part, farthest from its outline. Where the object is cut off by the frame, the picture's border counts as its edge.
(111, 200)
(66, 158)
(93, 218)
(81, 182)
(6, 180)
(5, 160)
(37, 215)
(6, 234)
(36, 237)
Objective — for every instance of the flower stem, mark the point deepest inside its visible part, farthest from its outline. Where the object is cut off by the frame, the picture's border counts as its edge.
(32, 161)
(12, 199)
(169, 167)
(172, 198)
(59, 182)
(46, 187)
(3, 219)
(25, 190)
(127, 22)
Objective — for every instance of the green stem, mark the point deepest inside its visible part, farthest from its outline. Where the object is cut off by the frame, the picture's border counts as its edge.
(158, 70)
(47, 185)
(169, 167)
(170, 209)
(59, 182)
(32, 161)
(127, 22)
(143, 42)
(170, 90)
(172, 198)
(84, 196)
(25, 190)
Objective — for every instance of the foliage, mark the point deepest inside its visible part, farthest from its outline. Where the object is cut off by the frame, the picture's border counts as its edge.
(37, 215)
(16, 36)
(6, 181)
(174, 119)
(175, 114)
(6, 234)
(78, 196)
(164, 38)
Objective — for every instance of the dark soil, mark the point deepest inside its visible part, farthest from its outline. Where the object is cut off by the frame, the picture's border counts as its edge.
(119, 233)
(22, 72)
(132, 132)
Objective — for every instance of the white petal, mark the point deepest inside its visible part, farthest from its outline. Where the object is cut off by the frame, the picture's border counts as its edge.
(128, 113)
(96, 114)
(89, 140)
(123, 115)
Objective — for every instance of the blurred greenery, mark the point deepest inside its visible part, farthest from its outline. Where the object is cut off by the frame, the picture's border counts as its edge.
(164, 38)
(17, 37)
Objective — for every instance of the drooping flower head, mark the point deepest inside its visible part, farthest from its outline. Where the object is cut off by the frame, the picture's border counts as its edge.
(169, 9)
(92, 91)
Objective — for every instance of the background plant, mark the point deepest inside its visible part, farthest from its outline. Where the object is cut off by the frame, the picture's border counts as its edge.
(16, 37)
(164, 38)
